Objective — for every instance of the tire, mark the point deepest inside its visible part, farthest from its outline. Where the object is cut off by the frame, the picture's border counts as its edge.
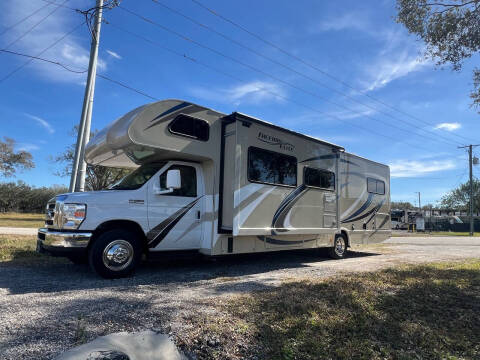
(339, 248)
(397, 227)
(78, 259)
(115, 254)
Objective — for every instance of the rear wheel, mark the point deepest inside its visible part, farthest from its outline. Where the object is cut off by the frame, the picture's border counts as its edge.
(339, 248)
(115, 254)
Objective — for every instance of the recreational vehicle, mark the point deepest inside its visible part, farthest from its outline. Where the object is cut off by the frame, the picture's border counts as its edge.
(217, 184)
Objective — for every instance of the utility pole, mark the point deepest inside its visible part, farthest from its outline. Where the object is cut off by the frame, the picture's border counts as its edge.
(419, 203)
(470, 165)
(78, 169)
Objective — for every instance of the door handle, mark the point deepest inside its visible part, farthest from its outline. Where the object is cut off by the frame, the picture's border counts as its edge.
(198, 215)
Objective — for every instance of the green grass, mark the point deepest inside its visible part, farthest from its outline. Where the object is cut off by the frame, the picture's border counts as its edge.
(411, 312)
(21, 249)
(22, 220)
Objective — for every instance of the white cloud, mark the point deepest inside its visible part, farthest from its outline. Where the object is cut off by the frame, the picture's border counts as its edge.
(390, 69)
(27, 147)
(114, 54)
(251, 92)
(72, 51)
(349, 115)
(347, 21)
(449, 126)
(413, 168)
(398, 57)
(42, 123)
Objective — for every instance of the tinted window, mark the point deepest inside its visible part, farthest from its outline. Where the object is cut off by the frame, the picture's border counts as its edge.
(189, 181)
(271, 167)
(375, 186)
(380, 187)
(319, 178)
(191, 127)
(137, 178)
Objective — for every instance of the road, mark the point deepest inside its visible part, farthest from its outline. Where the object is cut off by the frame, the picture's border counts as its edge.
(46, 308)
(18, 231)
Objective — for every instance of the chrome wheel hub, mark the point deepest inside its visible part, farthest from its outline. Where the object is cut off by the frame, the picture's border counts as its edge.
(340, 246)
(118, 255)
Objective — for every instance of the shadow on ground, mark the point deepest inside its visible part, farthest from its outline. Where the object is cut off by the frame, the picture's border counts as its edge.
(44, 274)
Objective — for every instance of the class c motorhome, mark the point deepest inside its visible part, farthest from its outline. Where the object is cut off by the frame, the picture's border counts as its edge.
(217, 184)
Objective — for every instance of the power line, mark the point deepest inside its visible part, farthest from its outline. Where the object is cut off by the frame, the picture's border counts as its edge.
(61, 5)
(80, 72)
(45, 60)
(219, 53)
(289, 68)
(127, 87)
(23, 19)
(275, 94)
(323, 72)
(34, 26)
(184, 56)
(41, 52)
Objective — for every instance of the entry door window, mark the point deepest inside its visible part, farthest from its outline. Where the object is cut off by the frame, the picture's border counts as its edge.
(189, 181)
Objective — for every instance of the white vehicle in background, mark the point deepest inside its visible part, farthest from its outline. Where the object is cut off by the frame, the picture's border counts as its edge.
(399, 219)
(215, 184)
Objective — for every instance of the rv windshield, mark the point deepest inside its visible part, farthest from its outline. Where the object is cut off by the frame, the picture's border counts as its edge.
(137, 178)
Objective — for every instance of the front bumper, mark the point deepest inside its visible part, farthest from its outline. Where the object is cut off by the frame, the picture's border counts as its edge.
(62, 242)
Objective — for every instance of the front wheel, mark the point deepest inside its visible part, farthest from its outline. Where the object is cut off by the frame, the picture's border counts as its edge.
(115, 254)
(339, 248)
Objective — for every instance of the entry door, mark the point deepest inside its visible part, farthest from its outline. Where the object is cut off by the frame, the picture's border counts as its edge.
(175, 219)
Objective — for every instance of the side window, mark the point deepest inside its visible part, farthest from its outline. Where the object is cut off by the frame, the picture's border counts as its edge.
(189, 181)
(270, 167)
(191, 127)
(375, 186)
(319, 178)
(371, 185)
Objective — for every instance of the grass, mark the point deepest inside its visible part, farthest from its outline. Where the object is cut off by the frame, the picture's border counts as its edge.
(412, 312)
(451, 233)
(434, 233)
(21, 249)
(24, 220)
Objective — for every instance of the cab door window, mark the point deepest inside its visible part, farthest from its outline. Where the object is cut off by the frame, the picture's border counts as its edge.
(188, 176)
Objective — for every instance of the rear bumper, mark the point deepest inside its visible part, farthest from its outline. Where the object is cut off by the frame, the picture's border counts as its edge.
(61, 242)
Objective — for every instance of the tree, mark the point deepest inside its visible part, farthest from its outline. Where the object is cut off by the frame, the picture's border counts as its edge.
(459, 198)
(11, 161)
(97, 177)
(451, 30)
(401, 205)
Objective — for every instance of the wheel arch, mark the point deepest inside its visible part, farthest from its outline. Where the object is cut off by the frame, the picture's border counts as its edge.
(345, 233)
(129, 225)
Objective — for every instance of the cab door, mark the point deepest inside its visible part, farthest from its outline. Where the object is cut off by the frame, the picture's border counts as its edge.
(175, 218)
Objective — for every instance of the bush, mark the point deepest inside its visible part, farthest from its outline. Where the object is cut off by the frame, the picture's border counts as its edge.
(20, 197)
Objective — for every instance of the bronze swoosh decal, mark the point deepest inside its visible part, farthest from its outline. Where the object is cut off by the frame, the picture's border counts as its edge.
(159, 232)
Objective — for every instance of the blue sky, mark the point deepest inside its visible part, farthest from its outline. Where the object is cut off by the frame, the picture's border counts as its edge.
(357, 42)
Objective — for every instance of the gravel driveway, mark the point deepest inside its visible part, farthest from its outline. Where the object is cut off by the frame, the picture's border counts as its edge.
(46, 309)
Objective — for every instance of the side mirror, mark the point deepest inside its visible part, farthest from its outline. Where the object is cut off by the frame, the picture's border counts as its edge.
(174, 180)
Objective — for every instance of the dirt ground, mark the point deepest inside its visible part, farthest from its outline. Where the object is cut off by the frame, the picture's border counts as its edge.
(48, 308)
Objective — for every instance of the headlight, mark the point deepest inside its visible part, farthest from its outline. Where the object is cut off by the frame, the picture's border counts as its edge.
(72, 215)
